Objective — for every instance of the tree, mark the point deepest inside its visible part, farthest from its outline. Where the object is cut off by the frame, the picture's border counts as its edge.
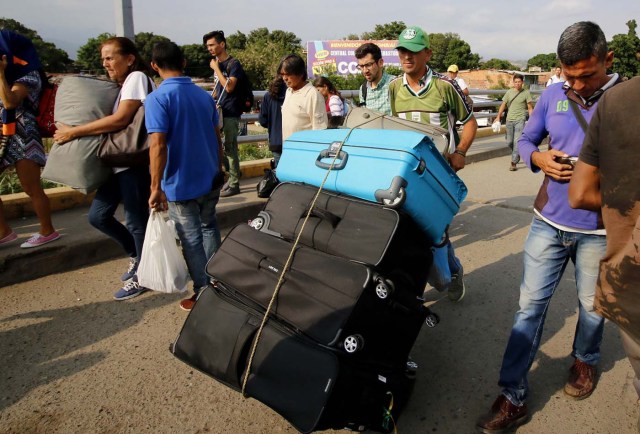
(545, 61)
(626, 51)
(237, 41)
(448, 49)
(53, 58)
(261, 52)
(388, 31)
(89, 57)
(198, 59)
(499, 64)
(144, 44)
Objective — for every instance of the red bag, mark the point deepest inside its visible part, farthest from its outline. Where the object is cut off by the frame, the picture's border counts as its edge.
(44, 117)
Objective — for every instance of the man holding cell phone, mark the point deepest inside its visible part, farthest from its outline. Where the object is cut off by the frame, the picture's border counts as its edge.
(558, 233)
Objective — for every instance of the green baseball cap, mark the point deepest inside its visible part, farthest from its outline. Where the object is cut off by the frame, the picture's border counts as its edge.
(413, 39)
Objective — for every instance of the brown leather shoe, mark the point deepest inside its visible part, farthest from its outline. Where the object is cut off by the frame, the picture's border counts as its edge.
(513, 167)
(582, 380)
(503, 416)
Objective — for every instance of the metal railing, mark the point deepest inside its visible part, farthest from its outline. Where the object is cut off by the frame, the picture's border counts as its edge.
(480, 108)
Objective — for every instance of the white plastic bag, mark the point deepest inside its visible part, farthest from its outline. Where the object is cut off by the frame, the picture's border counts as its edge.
(162, 267)
(496, 126)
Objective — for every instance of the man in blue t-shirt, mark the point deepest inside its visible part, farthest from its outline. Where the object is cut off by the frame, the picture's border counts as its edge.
(185, 152)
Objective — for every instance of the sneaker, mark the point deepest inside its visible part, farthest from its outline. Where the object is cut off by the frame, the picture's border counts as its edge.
(188, 303)
(131, 271)
(582, 380)
(229, 191)
(513, 167)
(456, 287)
(11, 237)
(37, 240)
(503, 416)
(130, 290)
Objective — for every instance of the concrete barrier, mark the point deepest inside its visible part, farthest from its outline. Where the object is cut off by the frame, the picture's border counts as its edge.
(19, 205)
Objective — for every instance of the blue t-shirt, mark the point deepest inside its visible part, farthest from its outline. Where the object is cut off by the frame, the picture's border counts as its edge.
(188, 116)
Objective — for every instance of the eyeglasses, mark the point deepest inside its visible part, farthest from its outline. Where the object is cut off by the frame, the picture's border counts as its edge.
(366, 66)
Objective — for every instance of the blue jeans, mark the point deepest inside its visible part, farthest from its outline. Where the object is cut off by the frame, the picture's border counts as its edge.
(546, 254)
(231, 161)
(197, 228)
(444, 265)
(131, 187)
(514, 131)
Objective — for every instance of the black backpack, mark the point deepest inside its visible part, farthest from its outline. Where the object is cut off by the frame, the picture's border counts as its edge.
(244, 91)
(363, 88)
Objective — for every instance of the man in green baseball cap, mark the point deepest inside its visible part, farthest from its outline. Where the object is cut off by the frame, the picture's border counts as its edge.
(423, 95)
(413, 39)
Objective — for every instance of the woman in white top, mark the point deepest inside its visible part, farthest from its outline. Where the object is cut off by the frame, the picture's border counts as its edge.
(129, 185)
(334, 103)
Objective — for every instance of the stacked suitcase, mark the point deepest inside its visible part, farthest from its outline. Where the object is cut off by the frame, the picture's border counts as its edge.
(334, 351)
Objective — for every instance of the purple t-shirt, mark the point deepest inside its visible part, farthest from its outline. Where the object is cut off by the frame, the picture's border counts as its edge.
(554, 117)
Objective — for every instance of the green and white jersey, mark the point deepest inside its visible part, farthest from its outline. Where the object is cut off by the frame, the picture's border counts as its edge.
(439, 102)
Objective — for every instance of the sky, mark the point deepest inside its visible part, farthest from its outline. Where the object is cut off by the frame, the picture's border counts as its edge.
(513, 30)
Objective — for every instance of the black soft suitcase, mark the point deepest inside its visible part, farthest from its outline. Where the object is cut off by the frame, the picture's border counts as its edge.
(311, 386)
(351, 228)
(338, 303)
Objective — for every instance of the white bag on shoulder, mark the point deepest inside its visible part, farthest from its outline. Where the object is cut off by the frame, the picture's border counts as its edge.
(162, 266)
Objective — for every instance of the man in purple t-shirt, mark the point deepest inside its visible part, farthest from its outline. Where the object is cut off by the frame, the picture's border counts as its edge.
(558, 233)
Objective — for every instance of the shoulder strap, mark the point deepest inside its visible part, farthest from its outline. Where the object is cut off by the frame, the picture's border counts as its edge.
(578, 114)
(364, 93)
(513, 99)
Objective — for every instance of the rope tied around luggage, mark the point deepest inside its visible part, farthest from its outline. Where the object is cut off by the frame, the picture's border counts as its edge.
(387, 419)
(290, 258)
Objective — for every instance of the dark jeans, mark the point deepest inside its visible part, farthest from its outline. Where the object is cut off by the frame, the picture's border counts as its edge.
(131, 187)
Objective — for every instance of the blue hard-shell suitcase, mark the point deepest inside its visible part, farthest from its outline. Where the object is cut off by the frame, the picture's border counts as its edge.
(400, 169)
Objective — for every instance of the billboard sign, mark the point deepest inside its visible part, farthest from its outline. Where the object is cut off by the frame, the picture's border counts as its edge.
(337, 57)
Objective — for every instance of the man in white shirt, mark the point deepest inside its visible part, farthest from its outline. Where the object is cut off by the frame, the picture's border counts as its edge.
(452, 71)
(556, 78)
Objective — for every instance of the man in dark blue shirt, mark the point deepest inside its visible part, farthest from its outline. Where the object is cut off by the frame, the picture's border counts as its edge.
(228, 75)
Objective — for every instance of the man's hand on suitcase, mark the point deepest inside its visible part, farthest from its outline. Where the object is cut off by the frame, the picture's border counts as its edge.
(456, 161)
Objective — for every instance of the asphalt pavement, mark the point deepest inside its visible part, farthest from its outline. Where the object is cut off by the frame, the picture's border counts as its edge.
(73, 360)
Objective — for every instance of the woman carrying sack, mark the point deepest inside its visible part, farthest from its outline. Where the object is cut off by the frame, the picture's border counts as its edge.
(129, 185)
(21, 81)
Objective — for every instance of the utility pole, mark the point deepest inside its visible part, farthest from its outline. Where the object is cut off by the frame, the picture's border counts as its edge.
(124, 18)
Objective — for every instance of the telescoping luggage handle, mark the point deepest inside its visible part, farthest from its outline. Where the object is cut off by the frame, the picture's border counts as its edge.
(336, 150)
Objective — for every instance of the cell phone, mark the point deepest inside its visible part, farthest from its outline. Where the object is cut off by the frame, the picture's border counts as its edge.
(567, 160)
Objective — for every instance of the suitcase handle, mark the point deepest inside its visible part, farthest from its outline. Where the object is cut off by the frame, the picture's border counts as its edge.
(341, 160)
(324, 215)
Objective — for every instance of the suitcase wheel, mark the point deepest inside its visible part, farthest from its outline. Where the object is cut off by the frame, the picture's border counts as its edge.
(432, 320)
(411, 369)
(353, 343)
(397, 201)
(384, 288)
(261, 221)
